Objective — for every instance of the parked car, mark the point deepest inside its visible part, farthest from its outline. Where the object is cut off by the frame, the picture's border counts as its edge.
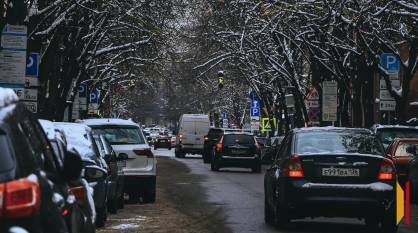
(31, 185)
(82, 217)
(191, 132)
(388, 133)
(129, 143)
(413, 175)
(210, 141)
(401, 155)
(80, 138)
(163, 141)
(331, 172)
(115, 199)
(236, 150)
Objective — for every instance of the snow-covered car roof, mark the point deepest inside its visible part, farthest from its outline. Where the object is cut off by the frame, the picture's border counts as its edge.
(49, 128)
(108, 121)
(7, 97)
(379, 126)
(331, 128)
(77, 138)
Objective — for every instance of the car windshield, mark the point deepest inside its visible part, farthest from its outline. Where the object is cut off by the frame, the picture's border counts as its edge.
(386, 136)
(119, 136)
(337, 142)
(401, 149)
(242, 139)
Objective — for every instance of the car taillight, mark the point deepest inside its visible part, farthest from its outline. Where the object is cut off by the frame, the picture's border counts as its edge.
(144, 152)
(109, 170)
(219, 147)
(206, 138)
(22, 198)
(79, 192)
(1, 199)
(387, 170)
(294, 168)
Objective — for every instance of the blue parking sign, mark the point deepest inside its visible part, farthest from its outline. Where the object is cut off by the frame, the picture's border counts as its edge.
(254, 112)
(390, 62)
(32, 64)
(94, 96)
(82, 91)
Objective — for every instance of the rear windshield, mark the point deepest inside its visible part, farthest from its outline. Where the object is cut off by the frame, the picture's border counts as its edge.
(215, 133)
(6, 157)
(232, 139)
(121, 136)
(337, 142)
(401, 150)
(386, 136)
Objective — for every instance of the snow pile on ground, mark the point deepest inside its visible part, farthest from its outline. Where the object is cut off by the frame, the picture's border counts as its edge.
(124, 226)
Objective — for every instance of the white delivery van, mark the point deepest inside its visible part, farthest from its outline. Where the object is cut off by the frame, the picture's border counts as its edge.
(192, 129)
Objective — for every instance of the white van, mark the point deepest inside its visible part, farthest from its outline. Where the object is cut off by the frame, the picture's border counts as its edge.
(191, 132)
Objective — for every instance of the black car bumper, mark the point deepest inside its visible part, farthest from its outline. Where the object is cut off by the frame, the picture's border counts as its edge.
(137, 183)
(233, 161)
(305, 199)
(159, 144)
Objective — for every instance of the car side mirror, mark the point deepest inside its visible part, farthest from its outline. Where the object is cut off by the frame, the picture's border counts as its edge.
(72, 166)
(122, 157)
(94, 173)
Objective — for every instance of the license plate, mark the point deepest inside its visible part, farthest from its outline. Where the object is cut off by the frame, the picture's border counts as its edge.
(341, 172)
(238, 152)
(163, 140)
(197, 139)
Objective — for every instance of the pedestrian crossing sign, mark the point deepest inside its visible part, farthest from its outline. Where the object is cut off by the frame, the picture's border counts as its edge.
(266, 124)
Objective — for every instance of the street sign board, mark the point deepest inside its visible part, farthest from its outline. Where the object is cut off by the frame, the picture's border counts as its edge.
(13, 54)
(387, 105)
(385, 95)
(254, 112)
(224, 115)
(266, 125)
(390, 62)
(94, 96)
(255, 123)
(31, 106)
(30, 94)
(395, 84)
(329, 101)
(312, 105)
(32, 64)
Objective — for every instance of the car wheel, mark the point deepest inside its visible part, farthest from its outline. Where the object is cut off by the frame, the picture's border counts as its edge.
(169, 148)
(281, 217)
(150, 191)
(121, 202)
(205, 158)
(134, 197)
(268, 212)
(214, 166)
(113, 206)
(101, 216)
(389, 221)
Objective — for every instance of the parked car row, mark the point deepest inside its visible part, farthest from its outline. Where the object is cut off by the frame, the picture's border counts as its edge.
(66, 177)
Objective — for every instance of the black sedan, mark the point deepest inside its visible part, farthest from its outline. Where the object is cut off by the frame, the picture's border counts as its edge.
(331, 172)
(163, 141)
(236, 150)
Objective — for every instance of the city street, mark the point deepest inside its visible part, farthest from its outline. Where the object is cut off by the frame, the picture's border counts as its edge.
(191, 198)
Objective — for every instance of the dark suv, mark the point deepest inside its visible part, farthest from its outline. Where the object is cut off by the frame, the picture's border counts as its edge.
(32, 186)
(236, 150)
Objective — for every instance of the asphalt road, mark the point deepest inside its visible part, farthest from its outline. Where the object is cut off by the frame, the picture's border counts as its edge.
(236, 196)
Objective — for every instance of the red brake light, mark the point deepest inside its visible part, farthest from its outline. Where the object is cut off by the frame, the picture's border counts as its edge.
(387, 170)
(144, 152)
(65, 212)
(294, 168)
(219, 147)
(1, 199)
(206, 138)
(23, 198)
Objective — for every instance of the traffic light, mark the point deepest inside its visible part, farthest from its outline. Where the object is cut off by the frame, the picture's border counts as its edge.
(221, 80)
